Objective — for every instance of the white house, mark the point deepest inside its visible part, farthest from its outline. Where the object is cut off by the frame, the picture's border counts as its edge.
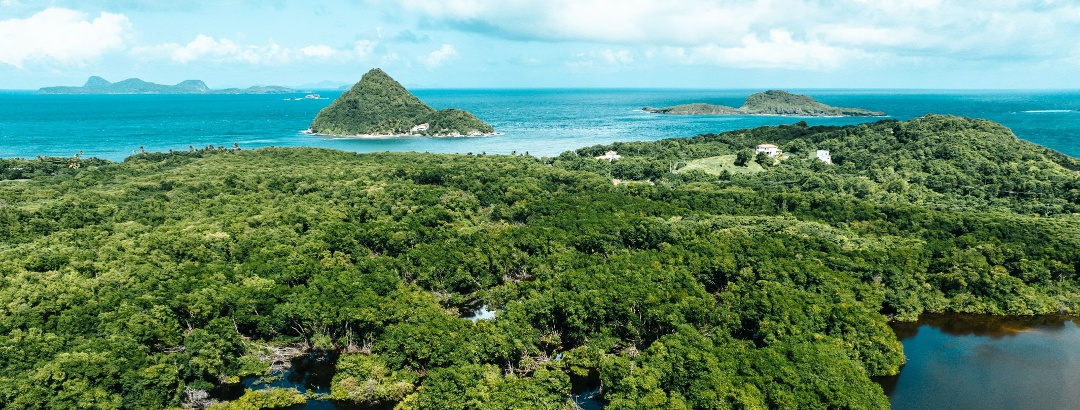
(823, 155)
(610, 156)
(419, 128)
(769, 149)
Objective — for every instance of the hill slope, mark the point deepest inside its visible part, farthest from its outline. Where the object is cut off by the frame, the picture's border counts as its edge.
(379, 105)
(125, 285)
(772, 102)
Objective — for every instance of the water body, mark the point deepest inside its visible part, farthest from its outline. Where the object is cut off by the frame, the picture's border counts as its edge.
(541, 122)
(986, 362)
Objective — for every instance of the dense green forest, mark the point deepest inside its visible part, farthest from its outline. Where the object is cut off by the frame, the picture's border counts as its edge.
(132, 285)
(379, 105)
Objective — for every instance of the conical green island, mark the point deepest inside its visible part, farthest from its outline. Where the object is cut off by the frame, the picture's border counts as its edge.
(379, 105)
(772, 102)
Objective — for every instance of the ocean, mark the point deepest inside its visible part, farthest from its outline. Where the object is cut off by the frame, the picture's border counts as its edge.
(540, 122)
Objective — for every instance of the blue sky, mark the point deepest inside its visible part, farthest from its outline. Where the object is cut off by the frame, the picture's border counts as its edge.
(554, 43)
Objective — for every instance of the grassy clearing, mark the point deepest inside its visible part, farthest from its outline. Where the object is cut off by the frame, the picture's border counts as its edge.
(717, 165)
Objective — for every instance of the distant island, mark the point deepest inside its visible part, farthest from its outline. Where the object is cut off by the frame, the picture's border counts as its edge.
(380, 106)
(772, 102)
(98, 85)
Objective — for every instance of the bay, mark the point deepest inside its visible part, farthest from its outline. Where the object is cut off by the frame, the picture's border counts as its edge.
(541, 122)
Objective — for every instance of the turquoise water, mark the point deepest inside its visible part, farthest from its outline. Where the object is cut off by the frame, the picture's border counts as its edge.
(988, 363)
(540, 122)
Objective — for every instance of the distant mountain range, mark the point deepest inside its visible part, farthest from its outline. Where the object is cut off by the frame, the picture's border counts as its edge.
(98, 85)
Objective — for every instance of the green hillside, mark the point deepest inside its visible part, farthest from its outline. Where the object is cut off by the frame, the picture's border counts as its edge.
(127, 285)
(379, 105)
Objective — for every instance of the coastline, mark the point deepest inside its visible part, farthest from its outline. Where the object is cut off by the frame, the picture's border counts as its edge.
(395, 136)
(883, 115)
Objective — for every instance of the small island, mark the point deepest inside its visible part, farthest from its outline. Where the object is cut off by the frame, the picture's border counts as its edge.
(772, 102)
(98, 85)
(379, 106)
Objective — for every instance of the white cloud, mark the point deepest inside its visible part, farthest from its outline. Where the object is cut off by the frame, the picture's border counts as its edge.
(617, 57)
(205, 47)
(779, 50)
(321, 50)
(208, 48)
(61, 35)
(438, 57)
(819, 34)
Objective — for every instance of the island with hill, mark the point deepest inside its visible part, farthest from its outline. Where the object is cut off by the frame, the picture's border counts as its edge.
(772, 102)
(148, 283)
(98, 85)
(378, 105)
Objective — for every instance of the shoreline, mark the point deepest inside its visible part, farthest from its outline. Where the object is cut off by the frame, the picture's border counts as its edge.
(883, 115)
(395, 136)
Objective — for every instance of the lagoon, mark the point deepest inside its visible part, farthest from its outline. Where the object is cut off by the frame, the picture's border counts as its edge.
(987, 362)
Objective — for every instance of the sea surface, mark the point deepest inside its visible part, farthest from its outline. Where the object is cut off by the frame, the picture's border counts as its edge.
(543, 122)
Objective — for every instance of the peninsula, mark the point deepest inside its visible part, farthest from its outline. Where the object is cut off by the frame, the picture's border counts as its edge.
(98, 85)
(772, 102)
(380, 106)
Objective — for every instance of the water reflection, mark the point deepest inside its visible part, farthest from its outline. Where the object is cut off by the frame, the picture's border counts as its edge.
(987, 362)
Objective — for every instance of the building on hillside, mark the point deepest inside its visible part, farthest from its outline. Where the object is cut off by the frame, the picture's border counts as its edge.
(610, 156)
(824, 156)
(419, 128)
(769, 149)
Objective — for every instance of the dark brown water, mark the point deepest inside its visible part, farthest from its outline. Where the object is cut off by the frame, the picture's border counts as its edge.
(987, 362)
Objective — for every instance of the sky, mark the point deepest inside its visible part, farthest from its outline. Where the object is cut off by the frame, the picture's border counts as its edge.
(912, 44)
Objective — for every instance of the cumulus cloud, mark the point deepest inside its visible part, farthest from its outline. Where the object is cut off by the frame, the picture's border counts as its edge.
(61, 35)
(208, 48)
(747, 32)
(778, 50)
(320, 50)
(205, 47)
(438, 57)
(617, 57)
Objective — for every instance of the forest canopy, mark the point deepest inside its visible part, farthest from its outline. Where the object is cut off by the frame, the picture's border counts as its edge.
(131, 285)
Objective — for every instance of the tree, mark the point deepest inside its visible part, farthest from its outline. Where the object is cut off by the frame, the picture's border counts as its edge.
(763, 159)
(742, 157)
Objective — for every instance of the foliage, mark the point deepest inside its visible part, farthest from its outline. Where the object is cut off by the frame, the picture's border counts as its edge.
(366, 379)
(378, 105)
(263, 399)
(123, 285)
(742, 158)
